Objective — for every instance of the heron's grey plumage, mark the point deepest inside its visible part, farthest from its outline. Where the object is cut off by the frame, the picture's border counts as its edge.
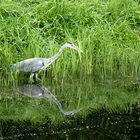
(35, 65)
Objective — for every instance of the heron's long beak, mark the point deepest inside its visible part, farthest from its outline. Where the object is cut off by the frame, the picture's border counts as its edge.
(79, 50)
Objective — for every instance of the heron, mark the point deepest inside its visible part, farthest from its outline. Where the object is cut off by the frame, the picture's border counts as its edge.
(36, 65)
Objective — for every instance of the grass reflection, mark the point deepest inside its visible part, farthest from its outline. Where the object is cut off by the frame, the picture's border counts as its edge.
(61, 98)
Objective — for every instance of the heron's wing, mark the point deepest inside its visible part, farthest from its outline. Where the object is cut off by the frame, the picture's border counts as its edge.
(29, 65)
(37, 66)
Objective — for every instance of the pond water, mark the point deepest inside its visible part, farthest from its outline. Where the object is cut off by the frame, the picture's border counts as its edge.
(71, 109)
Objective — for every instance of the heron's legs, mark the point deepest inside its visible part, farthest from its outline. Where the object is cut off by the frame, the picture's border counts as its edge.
(36, 76)
(31, 78)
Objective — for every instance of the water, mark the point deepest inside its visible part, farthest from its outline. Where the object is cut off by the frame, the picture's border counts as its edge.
(72, 109)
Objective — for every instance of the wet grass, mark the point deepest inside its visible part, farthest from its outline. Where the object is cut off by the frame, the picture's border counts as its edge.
(106, 31)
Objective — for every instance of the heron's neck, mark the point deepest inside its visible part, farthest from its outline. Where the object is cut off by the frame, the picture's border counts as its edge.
(53, 58)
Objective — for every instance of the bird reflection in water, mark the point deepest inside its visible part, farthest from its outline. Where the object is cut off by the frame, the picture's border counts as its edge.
(41, 92)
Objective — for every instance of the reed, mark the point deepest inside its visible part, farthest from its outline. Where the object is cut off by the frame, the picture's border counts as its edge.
(106, 31)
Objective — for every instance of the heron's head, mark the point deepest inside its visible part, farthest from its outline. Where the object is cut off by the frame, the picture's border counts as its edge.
(71, 45)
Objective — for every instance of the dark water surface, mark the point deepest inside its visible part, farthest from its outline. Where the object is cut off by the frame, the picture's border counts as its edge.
(74, 109)
(101, 125)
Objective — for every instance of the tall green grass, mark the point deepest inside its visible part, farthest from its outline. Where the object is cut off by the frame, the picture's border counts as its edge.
(107, 31)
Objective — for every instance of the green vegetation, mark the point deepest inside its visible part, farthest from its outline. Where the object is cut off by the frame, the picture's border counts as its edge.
(105, 77)
(108, 32)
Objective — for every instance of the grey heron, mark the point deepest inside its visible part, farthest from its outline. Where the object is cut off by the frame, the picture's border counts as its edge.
(35, 65)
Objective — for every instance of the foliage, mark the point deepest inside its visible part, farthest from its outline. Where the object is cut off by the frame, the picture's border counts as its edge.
(107, 31)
